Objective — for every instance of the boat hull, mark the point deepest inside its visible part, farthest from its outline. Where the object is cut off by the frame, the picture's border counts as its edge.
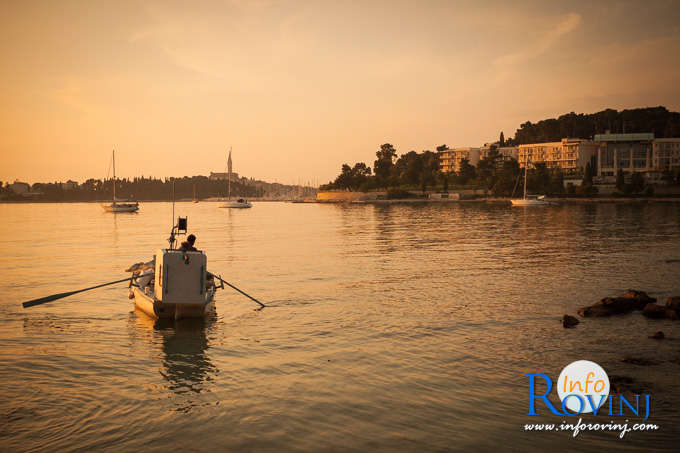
(237, 205)
(159, 310)
(528, 202)
(121, 207)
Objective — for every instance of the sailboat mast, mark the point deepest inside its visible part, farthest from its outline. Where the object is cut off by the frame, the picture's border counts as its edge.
(229, 176)
(526, 170)
(114, 176)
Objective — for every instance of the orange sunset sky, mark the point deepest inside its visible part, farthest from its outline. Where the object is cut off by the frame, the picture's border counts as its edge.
(299, 87)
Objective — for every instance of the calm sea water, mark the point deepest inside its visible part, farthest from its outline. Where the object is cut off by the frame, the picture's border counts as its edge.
(399, 327)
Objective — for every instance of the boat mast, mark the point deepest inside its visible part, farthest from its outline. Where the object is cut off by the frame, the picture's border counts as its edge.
(526, 168)
(114, 177)
(229, 177)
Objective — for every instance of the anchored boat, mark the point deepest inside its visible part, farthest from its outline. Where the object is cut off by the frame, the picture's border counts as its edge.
(528, 200)
(240, 203)
(117, 205)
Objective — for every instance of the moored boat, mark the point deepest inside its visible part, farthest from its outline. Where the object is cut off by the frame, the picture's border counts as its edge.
(240, 203)
(116, 205)
(528, 200)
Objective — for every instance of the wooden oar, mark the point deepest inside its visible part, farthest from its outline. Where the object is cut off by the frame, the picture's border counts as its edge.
(248, 296)
(43, 300)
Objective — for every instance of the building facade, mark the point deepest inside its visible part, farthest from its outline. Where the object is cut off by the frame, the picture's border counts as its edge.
(69, 185)
(571, 155)
(666, 155)
(630, 153)
(222, 176)
(19, 187)
(505, 152)
(450, 159)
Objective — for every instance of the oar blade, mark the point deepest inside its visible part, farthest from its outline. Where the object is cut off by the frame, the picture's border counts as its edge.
(44, 300)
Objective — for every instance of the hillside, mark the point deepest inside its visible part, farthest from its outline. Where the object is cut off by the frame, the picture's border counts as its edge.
(658, 120)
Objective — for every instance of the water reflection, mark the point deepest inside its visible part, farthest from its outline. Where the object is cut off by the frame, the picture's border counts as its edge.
(186, 365)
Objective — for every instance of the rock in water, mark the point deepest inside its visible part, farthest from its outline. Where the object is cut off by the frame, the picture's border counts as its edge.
(569, 321)
(658, 335)
(632, 300)
(654, 311)
(612, 306)
(640, 296)
(673, 303)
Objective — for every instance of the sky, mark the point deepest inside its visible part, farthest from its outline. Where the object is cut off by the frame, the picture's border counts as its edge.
(297, 88)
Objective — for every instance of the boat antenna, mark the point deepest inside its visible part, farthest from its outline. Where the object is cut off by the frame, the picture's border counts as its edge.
(181, 226)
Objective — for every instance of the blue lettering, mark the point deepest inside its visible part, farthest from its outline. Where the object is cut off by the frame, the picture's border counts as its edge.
(648, 402)
(594, 407)
(564, 404)
(635, 410)
(544, 397)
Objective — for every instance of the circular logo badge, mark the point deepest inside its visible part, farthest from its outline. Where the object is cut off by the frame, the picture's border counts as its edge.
(584, 385)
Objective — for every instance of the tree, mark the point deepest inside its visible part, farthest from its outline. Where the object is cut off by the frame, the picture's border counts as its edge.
(442, 147)
(556, 181)
(502, 139)
(657, 120)
(466, 173)
(588, 175)
(637, 182)
(408, 168)
(487, 168)
(430, 164)
(384, 163)
(539, 178)
(620, 181)
(360, 174)
(507, 178)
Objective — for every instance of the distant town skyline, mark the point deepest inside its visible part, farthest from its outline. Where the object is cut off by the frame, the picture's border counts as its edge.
(298, 88)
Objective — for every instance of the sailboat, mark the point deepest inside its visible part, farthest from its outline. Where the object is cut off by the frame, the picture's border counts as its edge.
(240, 203)
(116, 206)
(535, 200)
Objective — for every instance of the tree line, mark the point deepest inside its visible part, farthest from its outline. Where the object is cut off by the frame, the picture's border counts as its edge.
(497, 174)
(142, 188)
(658, 120)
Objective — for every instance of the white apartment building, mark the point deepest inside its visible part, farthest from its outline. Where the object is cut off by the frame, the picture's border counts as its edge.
(666, 154)
(630, 153)
(450, 159)
(571, 155)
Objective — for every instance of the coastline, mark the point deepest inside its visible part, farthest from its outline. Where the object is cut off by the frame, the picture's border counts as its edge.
(621, 200)
(558, 200)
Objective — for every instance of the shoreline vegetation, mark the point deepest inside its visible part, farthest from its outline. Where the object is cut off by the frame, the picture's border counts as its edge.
(493, 200)
(498, 175)
(151, 189)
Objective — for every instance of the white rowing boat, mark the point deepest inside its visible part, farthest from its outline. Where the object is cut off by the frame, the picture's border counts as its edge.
(175, 284)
